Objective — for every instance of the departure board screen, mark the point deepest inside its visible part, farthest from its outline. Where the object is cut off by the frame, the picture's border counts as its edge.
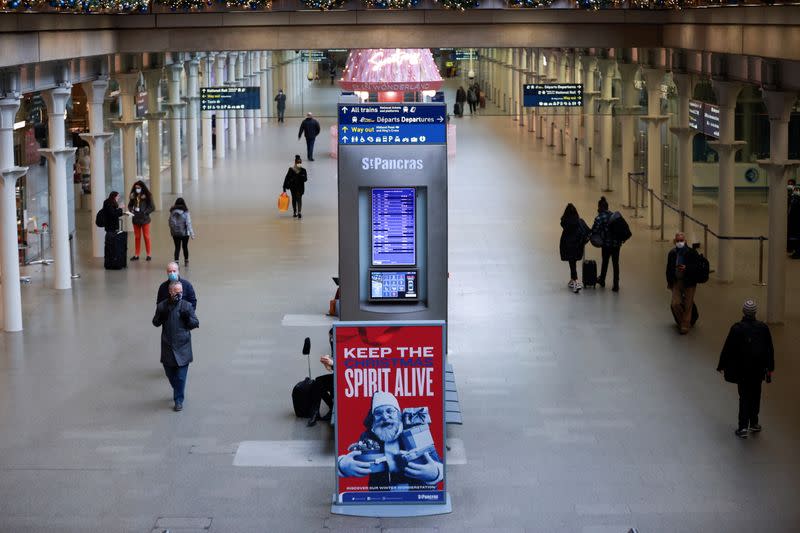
(394, 227)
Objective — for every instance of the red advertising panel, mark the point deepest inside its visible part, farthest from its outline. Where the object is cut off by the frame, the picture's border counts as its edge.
(390, 432)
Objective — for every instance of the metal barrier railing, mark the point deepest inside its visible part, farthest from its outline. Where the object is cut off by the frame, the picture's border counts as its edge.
(638, 181)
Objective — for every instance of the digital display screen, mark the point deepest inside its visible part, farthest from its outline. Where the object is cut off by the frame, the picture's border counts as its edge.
(711, 120)
(392, 285)
(394, 227)
(223, 98)
(696, 114)
(552, 95)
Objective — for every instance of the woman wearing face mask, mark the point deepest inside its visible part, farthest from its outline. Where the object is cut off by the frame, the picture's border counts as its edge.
(682, 265)
(295, 181)
(140, 204)
(180, 227)
(574, 236)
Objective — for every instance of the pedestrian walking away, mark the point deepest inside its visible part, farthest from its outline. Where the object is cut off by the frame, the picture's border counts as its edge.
(461, 98)
(574, 236)
(295, 182)
(140, 204)
(180, 227)
(176, 318)
(747, 359)
(173, 274)
(610, 243)
(280, 100)
(310, 128)
(472, 99)
(683, 263)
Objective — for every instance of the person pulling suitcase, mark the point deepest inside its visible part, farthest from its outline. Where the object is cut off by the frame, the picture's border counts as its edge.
(116, 241)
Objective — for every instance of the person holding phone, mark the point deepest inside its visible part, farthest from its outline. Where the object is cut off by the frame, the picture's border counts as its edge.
(682, 265)
(141, 205)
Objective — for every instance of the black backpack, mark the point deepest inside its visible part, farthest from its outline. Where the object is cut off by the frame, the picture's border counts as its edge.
(618, 227)
(100, 219)
(703, 269)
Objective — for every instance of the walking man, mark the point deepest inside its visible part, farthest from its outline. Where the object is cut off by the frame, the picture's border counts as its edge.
(747, 359)
(174, 274)
(309, 127)
(682, 263)
(280, 100)
(176, 318)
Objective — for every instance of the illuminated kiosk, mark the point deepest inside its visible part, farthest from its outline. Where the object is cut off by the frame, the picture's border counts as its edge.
(393, 280)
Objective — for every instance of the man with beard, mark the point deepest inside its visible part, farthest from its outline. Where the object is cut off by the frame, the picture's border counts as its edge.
(384, 426)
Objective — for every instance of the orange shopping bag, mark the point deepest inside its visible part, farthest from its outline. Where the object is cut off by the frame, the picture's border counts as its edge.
(283, 202)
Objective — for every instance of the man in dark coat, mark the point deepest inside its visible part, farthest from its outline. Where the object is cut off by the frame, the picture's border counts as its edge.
(310, 128)
(280, 100)
(682, 265)
(176, 318)
(174, 274)
(747, 359)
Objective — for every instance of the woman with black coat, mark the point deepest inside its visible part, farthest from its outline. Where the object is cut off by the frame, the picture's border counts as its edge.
(295, 181)
(574, 236)
(110, 213)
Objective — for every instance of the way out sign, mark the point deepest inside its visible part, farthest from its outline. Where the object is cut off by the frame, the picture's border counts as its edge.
(390, 429)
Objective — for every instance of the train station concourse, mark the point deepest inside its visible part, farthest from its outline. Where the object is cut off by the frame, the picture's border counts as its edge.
(399, 265)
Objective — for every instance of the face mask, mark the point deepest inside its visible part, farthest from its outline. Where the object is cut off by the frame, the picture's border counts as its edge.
(138, 190)
(790, 188)
(680, 244)
(173, 276)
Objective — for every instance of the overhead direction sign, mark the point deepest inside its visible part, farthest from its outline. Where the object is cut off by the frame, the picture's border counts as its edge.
(225, 98)
(392, 123)
(552, 95)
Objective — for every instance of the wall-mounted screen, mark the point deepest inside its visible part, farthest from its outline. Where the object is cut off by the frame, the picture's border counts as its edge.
(394, 226)
(221, 98)
(395, 285)
(552, 95)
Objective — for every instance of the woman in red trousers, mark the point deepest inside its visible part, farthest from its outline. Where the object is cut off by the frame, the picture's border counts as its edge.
(140, 204)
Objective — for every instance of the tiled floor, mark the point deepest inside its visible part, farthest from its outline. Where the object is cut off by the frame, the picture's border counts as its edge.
(582, 412)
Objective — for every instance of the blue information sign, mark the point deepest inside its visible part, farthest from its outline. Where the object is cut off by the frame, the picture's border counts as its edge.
(552, 95)
(390, 123)
(222, 98)
(711, 120)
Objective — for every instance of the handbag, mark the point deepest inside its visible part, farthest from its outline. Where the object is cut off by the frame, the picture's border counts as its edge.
(283, 202)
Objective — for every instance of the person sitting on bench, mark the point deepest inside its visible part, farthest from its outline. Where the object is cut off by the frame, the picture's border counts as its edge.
(322, 388)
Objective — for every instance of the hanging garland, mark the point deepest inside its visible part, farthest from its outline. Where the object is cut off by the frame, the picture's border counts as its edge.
(323, 5)
(460, 5)
(594, 5)
(529, 3)
(199, 5)
(78, 6)
(659, 4)
(391, 4)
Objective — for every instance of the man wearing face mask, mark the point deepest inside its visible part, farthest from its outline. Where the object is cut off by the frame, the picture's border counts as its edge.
(682, 265)
(176, 318)
(173, 274)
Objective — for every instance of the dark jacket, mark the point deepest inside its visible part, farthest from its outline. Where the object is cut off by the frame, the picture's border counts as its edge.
(309, 127)
(188, 292)
(281, 100)
(600, 227)
(690, 258)
(145, 206)
(177, 320)
(111, 213)
(295, 181)
(461, 95)
(574, 236)
(747, 354)
(794, 218)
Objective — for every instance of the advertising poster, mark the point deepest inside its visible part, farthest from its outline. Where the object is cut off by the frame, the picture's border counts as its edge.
(389, 395)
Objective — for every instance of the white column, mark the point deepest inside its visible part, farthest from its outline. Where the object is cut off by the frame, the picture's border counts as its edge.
(653, 78)
(630, 99)
(257, 82)
(249, 78)
(589, 64)
(57, 155)
(175, 105)
(685, 84)
(9, 252)
(529, 71)
(779, 108)
(266, 88)
(207, 159)
(221, 121)
(192, 101)
(608, 69)
(241, 122)
(515, 65)
(508, 61)
(127, 125)
(95, 97)
(727, 93)
(154, 116)
(232, 119)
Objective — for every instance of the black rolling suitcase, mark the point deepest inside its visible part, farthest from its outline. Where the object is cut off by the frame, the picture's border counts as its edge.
(589, 273)
(303, 392)
(457, 111)
(116, 250)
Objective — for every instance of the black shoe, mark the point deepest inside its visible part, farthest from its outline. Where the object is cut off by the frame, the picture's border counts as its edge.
(313, 420)
(601, 283)
(741, 433)
(149, 258)
(299, 215)
(294, 215)
(178, 407)
(755, 428)
(186, 262)
(615, 288)
(327, 417)
(135, 258)
(310, 158)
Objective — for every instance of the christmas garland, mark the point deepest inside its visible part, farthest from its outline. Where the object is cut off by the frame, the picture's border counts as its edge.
(323, 5)
(391, 4)
(460, 5)
(78, 6)
(529, 3)
(659, 4)
(198, 5)
(594, 5)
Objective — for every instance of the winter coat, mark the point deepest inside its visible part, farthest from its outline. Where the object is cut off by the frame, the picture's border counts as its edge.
(180, 222)
(281, 100)
(145, 206)
(574, 236)
(309, 127)
(176, 320)
(295, 181)
(472, 95)
(600, 227)
(111, 213)
(461, 96)
(188, 292)
(748, 353)
(692, 261)
(794, 218)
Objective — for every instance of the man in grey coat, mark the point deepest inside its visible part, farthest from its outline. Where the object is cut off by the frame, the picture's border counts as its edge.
(177, 318)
